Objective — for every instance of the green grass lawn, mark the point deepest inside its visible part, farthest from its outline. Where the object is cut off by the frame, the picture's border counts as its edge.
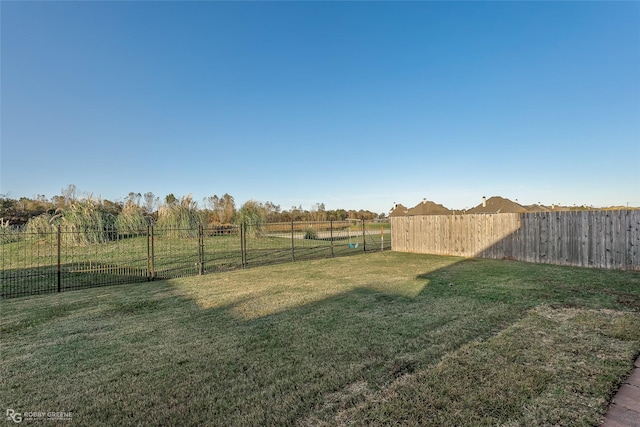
(380, 339)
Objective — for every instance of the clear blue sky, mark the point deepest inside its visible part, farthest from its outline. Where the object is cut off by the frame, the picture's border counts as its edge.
(353, 104)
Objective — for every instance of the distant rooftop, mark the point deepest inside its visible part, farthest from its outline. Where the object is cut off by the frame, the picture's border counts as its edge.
(427, 207)
(495, 204)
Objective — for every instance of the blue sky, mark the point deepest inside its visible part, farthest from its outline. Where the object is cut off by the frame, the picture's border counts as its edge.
(353, 104)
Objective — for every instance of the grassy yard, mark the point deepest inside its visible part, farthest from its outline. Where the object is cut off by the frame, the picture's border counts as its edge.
(378, 339)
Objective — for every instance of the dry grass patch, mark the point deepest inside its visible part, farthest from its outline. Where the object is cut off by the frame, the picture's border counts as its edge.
(554, 367)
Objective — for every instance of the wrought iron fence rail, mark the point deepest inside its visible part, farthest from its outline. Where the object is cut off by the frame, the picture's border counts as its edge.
(60, 259)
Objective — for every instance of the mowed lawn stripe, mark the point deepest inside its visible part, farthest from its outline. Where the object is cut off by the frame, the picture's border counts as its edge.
(554, 367)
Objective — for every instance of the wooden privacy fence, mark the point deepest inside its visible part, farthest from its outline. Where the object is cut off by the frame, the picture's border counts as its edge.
(602, 239)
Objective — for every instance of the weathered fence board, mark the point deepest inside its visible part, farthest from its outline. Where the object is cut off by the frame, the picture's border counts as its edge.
(602, 239)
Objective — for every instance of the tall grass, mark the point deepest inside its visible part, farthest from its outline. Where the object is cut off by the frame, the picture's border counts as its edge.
(41, 227)
(180, 218)
(8, 234)
(132, 219)
(254, 216)
(87, 222)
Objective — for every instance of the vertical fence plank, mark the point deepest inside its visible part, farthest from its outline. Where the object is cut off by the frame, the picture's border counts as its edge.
(582, 232)
(630, 244)
(635, 239)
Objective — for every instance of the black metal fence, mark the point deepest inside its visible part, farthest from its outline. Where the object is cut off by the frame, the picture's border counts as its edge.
(64, 258)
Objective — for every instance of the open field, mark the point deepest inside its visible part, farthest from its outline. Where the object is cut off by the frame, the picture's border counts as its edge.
(377, 339)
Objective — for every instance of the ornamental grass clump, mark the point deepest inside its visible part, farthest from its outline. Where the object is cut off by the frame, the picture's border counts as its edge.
(85, 222)
(41, 227)
(8, 233)
(180, 218)
(82, 222)
(131, 220)
(311, 234)
(253, 216)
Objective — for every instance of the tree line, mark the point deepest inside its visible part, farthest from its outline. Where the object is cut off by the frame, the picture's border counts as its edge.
(141, 209)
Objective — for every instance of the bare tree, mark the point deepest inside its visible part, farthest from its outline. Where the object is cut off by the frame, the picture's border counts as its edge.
(133, 199)
(69, 194)
(151, 203)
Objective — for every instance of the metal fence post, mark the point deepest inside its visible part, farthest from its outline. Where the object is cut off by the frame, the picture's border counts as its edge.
(59, 255)
(200, 250)
(148, 253)
(152, 258)
(331, 235)
(364, 237)
(243, 244)
(293, 250)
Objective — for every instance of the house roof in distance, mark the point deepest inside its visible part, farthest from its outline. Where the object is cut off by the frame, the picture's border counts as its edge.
(427, 207)
(399, 210)
(497, 204)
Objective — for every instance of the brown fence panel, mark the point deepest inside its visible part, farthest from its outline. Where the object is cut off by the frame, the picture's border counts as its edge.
(603, 239)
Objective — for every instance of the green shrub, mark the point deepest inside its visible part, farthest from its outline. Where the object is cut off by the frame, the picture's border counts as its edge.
(311, 234)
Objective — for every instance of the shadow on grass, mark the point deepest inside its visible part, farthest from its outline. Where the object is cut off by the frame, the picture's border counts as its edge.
(531, 285)
(38, 280)
(201, 351)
